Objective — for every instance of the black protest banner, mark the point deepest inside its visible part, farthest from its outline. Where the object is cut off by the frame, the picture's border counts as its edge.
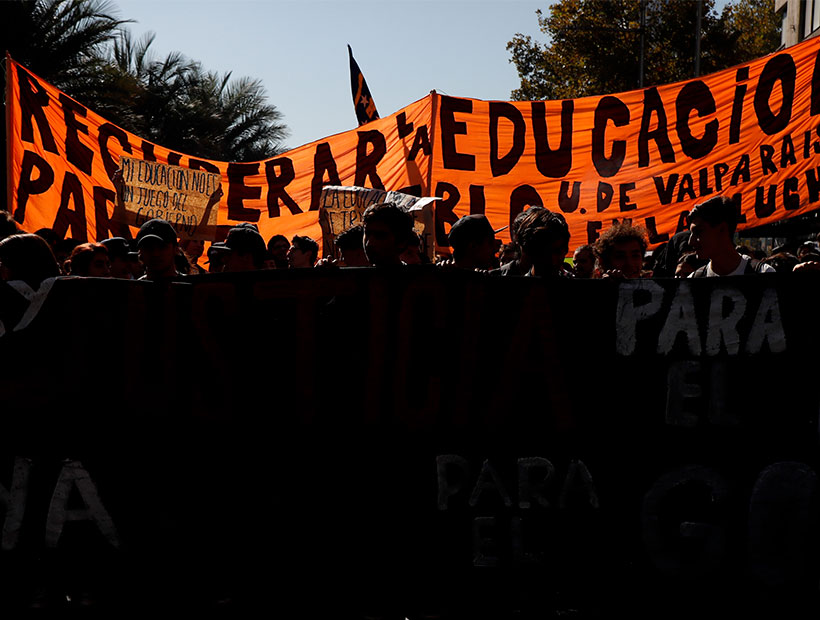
(648, 447)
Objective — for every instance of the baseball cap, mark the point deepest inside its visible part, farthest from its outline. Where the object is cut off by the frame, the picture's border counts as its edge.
(244, 239)
(156, 231)
(471, 228)
(118, 247)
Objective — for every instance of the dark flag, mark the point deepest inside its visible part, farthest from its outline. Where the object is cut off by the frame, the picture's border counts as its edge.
(362, 100)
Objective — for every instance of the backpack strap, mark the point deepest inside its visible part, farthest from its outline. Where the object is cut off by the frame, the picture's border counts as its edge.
(752, 267)
(700, 272)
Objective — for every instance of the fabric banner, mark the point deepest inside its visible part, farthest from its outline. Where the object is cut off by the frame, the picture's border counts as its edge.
(589, 449)
(647, 155)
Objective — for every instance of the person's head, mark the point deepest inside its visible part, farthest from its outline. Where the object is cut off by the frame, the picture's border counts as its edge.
(543, 236)
(622, 247)
(193, 248)
(351, 247)
(712, 224)
(216, 258)
(515, 227)
(507, 253)
(387, 232)
(63, 249)
(414, 254)
(473, 241)
(244, 249)
(688, 263)
(121, 257)
(28, 258)
(303, 252)
(157, 247)
(89, 260)
(278, 247)
(584, 261)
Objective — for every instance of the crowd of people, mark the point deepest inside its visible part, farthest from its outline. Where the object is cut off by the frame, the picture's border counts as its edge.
(539, 246)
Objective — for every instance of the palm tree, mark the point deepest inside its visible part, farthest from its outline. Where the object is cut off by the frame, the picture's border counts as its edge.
(174, 102)
(83, 49)
(63, 41)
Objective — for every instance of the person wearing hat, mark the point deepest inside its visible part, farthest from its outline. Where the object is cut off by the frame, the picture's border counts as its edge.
(157, 248)
(243, 249)
(474, 244)
(121, 257)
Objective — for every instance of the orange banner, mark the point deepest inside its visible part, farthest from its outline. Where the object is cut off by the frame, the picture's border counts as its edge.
(648, 155)
(62, 156)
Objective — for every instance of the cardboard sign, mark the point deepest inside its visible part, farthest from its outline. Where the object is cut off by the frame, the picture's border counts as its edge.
(342, 208)
(179, 195)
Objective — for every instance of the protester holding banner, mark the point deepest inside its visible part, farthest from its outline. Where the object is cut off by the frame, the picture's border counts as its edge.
(278, 247)
(157, 246)
(414, 255)
(474, 244)
(124, 262)
(520, 265)
(620, 251)
(350, 244)
(583, 260)
(27, 257)
(712, 224)
(303, 252)
(89, 260)
(544, 240)
(387, 232)
(244, 249)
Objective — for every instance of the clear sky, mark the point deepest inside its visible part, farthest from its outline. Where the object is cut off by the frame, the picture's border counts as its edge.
(298, 49)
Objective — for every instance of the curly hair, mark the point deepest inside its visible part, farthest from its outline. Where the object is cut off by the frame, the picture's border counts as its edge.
(618, 233)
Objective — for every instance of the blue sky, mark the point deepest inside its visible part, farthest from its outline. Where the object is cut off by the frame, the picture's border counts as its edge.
(298, 49)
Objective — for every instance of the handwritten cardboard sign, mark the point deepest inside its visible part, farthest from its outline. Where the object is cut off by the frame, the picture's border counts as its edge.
(176, 194)
(341, 208)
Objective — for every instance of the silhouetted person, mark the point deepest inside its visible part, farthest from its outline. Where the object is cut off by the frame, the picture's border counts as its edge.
(89, 260)
(157, 247)
(243, 249)
(303, 252)
(712, 224)
(278, 247)
(583, 260)
(620, 251)
(351, 247)
(544, 240)
(387, 230)
(121, 257)
(28, 258)
(473, 241)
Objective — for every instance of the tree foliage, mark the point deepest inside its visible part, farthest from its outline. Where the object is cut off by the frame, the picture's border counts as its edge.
(594, 46)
